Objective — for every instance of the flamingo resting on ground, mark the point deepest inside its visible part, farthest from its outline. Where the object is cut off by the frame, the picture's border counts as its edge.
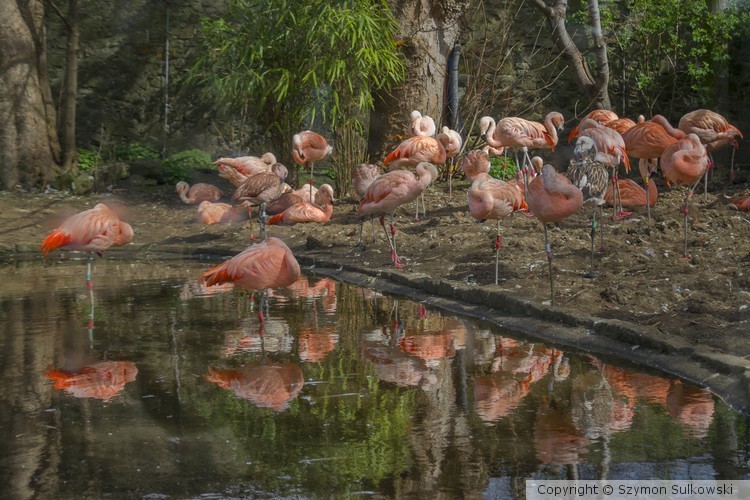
(309, 147)
(632, 194)
(552, 198)
(264, 265)
(684, 163)
(93, 230)
(390, 191)
(491, 198)
(590, 175)
(214, 213)
(362, 176)
(197, 193)
(308, 212)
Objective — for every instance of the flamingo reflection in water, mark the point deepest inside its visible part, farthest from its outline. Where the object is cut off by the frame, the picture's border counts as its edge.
(315, 344)
(271, 386)
(103, 380)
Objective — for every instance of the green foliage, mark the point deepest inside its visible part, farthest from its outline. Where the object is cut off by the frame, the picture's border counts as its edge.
(502, 167)
(88, 160)
(179, 165)
(135, 151)
(285, 61)
(668, 50)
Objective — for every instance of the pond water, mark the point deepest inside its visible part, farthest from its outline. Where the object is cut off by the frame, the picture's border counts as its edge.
(169, 388)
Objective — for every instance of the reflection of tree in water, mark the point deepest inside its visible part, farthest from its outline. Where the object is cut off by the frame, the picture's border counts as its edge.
(266, 386)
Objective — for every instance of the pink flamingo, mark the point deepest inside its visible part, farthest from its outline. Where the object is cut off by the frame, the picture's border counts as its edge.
(552, 198)
(264, 265)
(474, 163)
(309, 147)
(491, 198)
(388, 192)
(93, 230)
(418, 149)
(249, 165)
(362, 176)
(308, 212)
(684, 163)
(740, 204)
(632, 194)
(648, 140)
(192, 195)
(452, 142)
(422, 125)
(600, 116)
(214, 213)
(714, 132)
(520, 134)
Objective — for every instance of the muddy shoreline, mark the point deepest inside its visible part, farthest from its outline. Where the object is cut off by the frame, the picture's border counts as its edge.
(647, 306)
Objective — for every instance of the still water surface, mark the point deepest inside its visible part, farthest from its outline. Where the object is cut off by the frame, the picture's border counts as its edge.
(168, 388)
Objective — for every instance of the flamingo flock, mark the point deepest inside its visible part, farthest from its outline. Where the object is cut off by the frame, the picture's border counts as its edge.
(603, 142)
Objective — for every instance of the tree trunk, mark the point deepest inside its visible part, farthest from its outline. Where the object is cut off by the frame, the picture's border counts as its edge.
(71, 88)
(428, 30)
(594, 88)
(29, 149)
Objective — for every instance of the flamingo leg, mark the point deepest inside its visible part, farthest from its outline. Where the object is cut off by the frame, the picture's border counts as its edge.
(601, 232)
(90, 287)
(593, 239)
(731, 165)
(396, 259)
(548, 249)
(262, 222)
(648, 201)
(705, 176)
(685, 210)
(372, 226)
(312, 163)
(250, 221)
(498, 243)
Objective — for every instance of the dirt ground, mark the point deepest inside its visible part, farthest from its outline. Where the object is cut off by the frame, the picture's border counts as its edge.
(642, 276)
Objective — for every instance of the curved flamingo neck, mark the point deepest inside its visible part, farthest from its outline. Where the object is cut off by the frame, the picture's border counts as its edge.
(425, 177)
(550, 126)
(490, 135)
(183, 195)
(676, 133)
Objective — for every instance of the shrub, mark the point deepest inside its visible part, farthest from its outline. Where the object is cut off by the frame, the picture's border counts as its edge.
(180, 165)
(88, 160)
(135, 151)
(502, 167)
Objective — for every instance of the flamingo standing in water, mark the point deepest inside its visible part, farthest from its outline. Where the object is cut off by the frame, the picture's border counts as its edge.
(308, 212)
(93, 231)
(590, 175)
(520, 134)
(684, 163)
(552, 198)
(390, 191)
(648, 140)
(309, 147)
(491, 198)
(264, 265)
(362, 176)
(197, 193)
(714, 132)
